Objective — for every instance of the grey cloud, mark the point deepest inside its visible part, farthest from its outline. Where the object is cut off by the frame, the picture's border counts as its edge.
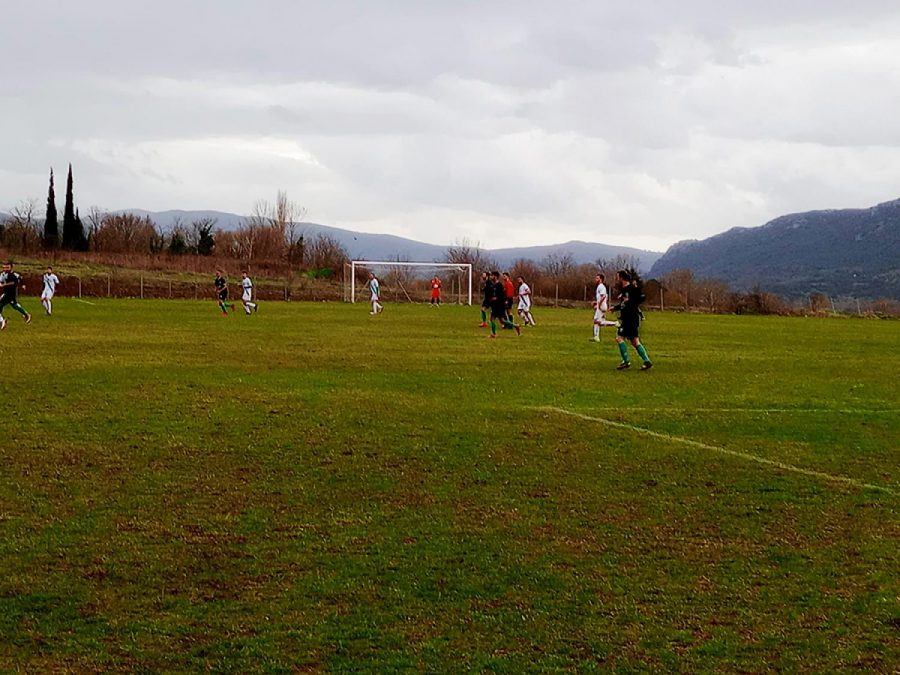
(668, 119)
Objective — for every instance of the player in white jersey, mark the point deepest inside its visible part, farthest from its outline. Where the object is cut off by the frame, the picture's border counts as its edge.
(50, 283)
(374, 289)
(247, 297)
(601, 304)
(524, 308)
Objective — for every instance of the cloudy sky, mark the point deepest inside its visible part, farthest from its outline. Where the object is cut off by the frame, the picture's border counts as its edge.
(504, 122)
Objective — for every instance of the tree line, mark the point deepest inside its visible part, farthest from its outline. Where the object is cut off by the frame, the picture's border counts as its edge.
(272, 234)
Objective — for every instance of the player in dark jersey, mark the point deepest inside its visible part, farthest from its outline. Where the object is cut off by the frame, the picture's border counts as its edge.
(630, 316)
(221, 284)
(10, 283)
(497, 298)
(485, 300)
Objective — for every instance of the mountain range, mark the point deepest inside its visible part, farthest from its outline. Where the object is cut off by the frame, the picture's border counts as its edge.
(387, 247)
(842, 252)
(846, 252)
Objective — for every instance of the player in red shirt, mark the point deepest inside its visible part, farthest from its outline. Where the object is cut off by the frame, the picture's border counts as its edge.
(435, 291)
(510, 291)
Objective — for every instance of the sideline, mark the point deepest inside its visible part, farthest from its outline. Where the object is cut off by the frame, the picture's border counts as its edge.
(761, 411)
(725, 451)
(93, 304)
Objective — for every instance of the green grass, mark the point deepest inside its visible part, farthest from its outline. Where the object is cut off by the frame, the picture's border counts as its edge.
(312, 488)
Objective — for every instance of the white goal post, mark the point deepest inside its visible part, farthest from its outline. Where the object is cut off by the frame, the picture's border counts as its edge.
(466, 268)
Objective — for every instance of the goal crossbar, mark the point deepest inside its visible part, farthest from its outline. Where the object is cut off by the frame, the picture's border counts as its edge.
(461, 267)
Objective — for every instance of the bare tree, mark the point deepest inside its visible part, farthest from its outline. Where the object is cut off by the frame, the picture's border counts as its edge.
(95, 218)
(609, 266)
(127, 233)
(527, 269)
(288, 218)
(260, 216)
(682, 282)
(23, 212)
(325, 254)
(886, 307)
(21, 232)
(225, 242)
(818, 302)
(250, 231)
(274, 231)
(402, 276)
(558, 265)
(713, 293)
(465, 251)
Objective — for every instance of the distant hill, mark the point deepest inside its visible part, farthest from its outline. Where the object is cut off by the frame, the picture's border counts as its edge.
(359, 245)
(166, 219)
(365, 246)
(849, 252)
(581, 252)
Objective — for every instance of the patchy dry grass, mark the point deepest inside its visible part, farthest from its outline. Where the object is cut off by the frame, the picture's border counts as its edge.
(311, 489)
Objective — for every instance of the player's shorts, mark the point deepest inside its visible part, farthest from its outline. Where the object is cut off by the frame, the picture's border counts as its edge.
(498, 311)
(629, 328)
(598, 314)
(524, 305)
(223, 295)
(47, 295)
(374, 298)
(247, 296)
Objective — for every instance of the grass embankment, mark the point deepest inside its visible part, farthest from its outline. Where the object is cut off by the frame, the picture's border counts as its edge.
(168, 277)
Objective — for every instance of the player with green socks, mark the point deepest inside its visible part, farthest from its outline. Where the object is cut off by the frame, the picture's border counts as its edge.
(221, 284)
(629, 309)
(496, 294)
(485, 300)
(10, 282)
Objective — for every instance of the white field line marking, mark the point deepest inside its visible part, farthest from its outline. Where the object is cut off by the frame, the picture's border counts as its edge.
(84, 301)
(725, 451)
(764, 411)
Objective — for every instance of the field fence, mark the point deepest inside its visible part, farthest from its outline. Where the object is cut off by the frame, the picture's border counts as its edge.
(161, 287)
(302, 288)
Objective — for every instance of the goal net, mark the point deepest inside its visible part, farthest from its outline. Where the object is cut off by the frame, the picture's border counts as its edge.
(409, 281)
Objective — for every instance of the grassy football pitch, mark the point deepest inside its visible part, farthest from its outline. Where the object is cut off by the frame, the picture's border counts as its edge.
(312, 488)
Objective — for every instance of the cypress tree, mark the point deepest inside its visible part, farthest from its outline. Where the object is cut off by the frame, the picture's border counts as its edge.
(70, 237)
(51, 225)
(81, 242)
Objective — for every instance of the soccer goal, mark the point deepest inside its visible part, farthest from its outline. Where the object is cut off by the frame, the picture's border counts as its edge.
(410, 281)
